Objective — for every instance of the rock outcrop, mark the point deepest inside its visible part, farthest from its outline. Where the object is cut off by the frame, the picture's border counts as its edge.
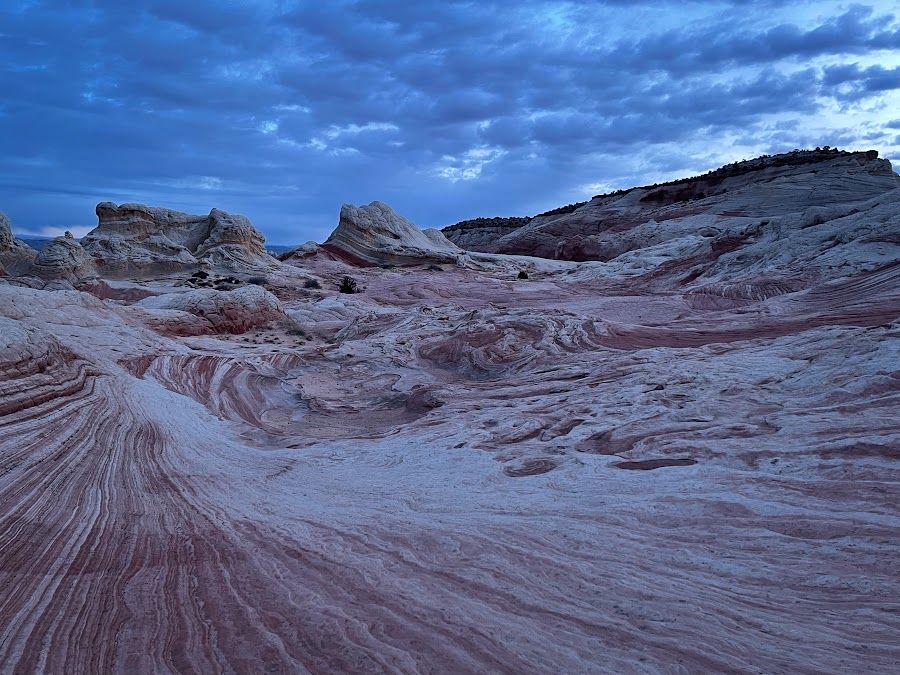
(34, 367)
(204, 311)
(478, 234)
(15, 255)
(778, 203)
(133, 239)
(377, 235)
(63, 258)
(306, 250)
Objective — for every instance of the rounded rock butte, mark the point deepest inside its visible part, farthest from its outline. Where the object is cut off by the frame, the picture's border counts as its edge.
(133, 239)
(376, 235)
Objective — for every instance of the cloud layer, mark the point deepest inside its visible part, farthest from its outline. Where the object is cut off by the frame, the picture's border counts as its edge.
(447, 110)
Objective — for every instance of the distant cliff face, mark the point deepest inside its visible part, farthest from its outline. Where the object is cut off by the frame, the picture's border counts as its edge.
(479, 233)
(609, 225)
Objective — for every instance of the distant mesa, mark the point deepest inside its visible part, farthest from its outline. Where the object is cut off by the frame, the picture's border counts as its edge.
(792, 187)
(743, 232)
(377, 235)
(15, 255)
(133, 239)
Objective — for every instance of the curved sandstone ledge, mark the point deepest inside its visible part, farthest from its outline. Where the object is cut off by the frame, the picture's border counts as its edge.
(36, 369)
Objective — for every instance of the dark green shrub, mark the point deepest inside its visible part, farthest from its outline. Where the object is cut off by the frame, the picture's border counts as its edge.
(311, 283)
(523, 274)
(348, 285)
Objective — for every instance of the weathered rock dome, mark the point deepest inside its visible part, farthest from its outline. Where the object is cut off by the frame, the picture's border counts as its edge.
(63, 258)
(375, 234)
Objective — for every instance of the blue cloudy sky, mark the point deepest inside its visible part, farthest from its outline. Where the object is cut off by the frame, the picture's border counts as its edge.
(284, 109)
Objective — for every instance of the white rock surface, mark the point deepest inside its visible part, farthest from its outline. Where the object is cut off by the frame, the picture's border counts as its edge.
(302, 251)
(63, 258)
(205, 311)
(134, 240)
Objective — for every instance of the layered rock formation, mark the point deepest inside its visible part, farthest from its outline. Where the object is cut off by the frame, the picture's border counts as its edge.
(15, 255)
(479, 234)
(205, 311)
(376, 235)
(133, 239)
(35, 368)
(797, 206)
(63, 258)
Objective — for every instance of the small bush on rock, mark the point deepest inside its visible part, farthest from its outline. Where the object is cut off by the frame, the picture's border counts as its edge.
(348, 285)
(311, 283)
(258, 281)
(523, 274)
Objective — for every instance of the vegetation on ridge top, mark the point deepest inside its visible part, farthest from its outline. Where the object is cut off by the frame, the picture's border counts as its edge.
(795, 157)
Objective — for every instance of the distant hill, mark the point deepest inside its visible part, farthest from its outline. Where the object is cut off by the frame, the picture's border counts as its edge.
(609, 225)
(37, 243)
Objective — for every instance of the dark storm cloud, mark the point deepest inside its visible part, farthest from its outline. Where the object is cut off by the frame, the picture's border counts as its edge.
(722, 42)
(449, 109)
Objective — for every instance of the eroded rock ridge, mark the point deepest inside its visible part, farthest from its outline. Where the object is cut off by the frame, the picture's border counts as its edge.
(136, 239)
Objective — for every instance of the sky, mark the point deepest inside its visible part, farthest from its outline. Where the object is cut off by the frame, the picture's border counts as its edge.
(283, 110)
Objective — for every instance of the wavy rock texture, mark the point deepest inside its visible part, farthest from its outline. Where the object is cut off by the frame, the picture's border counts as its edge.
(63, 258)
(470, 474)
(692, 466)
(204, 311)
